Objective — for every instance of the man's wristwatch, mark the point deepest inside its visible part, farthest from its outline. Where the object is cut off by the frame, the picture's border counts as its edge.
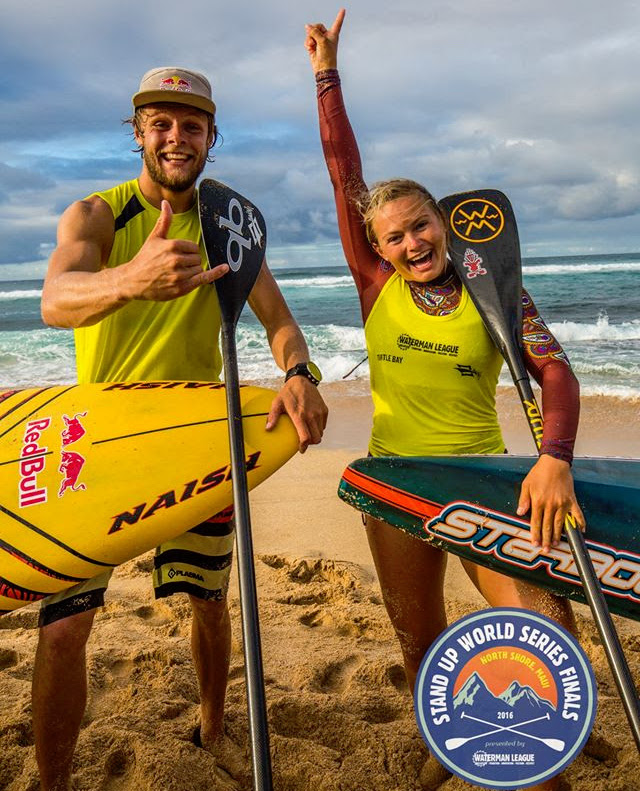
(308, 369)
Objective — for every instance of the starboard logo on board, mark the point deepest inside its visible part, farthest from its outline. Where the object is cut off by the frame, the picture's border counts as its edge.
(477, 220)
(487, 532)
(505, 698)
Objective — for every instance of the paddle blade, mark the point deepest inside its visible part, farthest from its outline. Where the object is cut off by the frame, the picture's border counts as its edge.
(234, 232)
(485, 251)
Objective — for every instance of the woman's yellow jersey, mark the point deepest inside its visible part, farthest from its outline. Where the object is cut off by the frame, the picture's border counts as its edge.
(145, 340)
(433, 378)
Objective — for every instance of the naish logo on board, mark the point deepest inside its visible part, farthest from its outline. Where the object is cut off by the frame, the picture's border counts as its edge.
(505, 698)
(430, 347)
(477, 220)
(174, 497)
(507, 538)
(33, 460)
(178, 385)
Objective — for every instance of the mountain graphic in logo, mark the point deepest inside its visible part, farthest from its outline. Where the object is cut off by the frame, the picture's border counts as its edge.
(475, 694)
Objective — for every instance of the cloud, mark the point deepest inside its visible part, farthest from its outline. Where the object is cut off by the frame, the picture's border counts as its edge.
(540, 100)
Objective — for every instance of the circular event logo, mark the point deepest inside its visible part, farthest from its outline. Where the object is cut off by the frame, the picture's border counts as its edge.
(505, 698)
(477, 220)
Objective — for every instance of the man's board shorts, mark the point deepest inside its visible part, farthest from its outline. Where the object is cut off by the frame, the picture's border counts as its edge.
(197, 562)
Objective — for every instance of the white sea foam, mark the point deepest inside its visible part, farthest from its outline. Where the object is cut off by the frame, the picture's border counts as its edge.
(607, 368)
(335, 349)
(319, 281)
(616, 391)
(36, 358)
(601, 330)
(580, 269)
(21, 294)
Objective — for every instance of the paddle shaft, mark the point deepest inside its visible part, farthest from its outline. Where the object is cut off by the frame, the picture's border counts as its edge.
(256, 702)
(592, 590)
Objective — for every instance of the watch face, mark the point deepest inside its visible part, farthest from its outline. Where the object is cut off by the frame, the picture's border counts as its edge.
(314, 371)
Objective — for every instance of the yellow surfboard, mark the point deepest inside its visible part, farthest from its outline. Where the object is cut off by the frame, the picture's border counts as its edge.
(94, 475)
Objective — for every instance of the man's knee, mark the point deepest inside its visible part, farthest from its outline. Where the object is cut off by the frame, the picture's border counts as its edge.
(209, 611)
(67, 636)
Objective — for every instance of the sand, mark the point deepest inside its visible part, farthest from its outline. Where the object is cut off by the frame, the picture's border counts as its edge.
(340, 713)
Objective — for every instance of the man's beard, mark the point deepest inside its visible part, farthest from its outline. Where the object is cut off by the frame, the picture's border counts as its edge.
(179, 182)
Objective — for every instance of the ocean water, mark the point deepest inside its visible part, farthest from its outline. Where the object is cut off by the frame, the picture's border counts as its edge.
(592, 304)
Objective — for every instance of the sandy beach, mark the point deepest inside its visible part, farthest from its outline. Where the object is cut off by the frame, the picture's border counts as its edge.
(340, 713)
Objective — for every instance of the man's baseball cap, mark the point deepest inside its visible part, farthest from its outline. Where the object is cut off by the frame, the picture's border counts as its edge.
(176, 85)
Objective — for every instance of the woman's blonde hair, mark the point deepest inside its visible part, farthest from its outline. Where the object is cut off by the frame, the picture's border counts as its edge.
(382, 192)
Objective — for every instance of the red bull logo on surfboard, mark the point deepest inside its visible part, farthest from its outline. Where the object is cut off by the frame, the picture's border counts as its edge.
(33, 460)
(71, 462)
(74, 429)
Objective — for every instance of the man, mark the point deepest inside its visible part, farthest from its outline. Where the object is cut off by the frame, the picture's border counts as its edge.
(127, 274)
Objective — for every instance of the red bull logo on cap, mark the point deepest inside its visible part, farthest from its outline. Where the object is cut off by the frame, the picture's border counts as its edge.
(175, 83)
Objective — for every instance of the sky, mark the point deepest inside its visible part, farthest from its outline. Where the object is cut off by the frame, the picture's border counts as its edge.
(538, 99)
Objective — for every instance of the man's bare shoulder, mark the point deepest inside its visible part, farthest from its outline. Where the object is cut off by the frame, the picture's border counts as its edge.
(91, 209)
(89, 218)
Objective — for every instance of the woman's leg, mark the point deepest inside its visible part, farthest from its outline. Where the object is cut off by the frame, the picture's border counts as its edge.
(411, 575)
(502, 591)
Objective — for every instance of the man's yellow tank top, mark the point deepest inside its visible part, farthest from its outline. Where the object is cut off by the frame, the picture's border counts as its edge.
(433, 378)
(177, 339)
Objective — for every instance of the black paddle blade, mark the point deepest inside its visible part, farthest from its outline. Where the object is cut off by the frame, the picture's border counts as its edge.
(235, 233)
(485, 251)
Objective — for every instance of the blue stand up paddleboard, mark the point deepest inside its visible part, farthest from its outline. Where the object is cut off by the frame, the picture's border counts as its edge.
(467, 505)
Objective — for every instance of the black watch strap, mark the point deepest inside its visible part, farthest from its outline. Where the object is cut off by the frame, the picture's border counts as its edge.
(309, 370)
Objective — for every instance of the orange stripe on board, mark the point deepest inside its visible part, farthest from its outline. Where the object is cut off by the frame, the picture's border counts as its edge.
(409, 503)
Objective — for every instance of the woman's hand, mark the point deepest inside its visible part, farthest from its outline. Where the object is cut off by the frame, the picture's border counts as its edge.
(322, 44)
(547, 492)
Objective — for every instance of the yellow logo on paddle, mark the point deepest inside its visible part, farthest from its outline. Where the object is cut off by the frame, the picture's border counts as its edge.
(477, 220)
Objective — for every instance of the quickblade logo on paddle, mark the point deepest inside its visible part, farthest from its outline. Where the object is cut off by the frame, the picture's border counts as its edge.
(477, 220)
(234, 224)
(505, 698)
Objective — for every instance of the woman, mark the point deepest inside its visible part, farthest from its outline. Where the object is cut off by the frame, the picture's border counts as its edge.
(395, 242)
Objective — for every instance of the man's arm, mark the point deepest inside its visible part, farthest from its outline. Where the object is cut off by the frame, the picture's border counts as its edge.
(298, 397)
(79, 289)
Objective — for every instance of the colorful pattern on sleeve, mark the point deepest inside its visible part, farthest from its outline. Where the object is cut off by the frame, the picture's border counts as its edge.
(547, 362)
